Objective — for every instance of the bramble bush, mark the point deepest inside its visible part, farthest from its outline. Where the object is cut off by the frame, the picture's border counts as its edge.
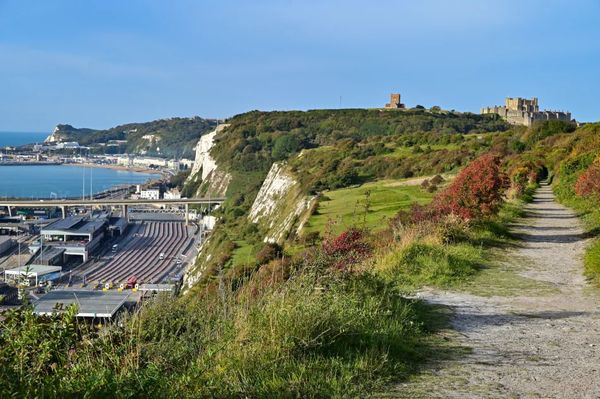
(347, 249)
(588, 183)
(476, 192)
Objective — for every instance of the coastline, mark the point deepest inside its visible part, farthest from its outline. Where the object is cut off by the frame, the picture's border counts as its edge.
(137, 169)
(152, 177)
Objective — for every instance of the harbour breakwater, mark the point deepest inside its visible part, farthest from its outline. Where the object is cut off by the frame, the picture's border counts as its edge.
(29, 163)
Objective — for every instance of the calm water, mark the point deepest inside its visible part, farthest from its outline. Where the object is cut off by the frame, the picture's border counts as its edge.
(63, 181)
(20, 138)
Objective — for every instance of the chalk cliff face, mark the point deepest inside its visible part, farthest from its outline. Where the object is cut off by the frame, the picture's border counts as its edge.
(280, 205)
(205, 171)
(60, 133)
(53, 137)
(207, 178)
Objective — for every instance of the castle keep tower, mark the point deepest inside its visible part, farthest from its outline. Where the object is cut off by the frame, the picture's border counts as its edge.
(522, 111)
(522, 104)
(394, 101)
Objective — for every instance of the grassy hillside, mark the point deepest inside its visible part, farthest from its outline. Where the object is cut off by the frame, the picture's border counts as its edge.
(331, 150)
(370, 205)
(328, 321)
(174, 137)
(356, 143)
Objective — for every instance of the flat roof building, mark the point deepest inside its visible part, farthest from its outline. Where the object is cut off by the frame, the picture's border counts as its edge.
(38, 273)
(51, 256)
(91, 304)
(77, 235)
(151, 194)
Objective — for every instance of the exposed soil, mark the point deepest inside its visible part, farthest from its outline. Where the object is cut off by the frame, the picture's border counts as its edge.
(535, 344)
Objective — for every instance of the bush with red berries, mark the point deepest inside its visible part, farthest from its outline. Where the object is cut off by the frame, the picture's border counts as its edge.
(588, 183)
(347, 249)
(476, 192)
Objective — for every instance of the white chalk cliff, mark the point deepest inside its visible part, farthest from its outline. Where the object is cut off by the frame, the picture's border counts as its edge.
(205, 163)
(280, 204)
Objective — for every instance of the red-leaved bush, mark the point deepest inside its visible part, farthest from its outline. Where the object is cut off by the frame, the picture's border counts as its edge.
(588, 182)
(347, 249)
(476, 192)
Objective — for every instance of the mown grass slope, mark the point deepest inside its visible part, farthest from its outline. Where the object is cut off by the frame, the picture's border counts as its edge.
(370, 205)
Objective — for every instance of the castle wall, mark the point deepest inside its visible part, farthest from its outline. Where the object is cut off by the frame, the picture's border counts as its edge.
(520, 111)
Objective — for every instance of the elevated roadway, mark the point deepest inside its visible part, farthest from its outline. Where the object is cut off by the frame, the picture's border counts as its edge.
(108, 202)
(124, 203)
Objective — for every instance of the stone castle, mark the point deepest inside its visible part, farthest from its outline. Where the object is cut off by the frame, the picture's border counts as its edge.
(394, 101)
(521, 111)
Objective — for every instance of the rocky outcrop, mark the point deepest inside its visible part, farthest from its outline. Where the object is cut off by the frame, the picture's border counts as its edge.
(54, 137)
(204, 161)
(205, 171)
(281, 204)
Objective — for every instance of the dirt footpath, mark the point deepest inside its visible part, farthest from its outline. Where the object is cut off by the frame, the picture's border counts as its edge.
(532, 345)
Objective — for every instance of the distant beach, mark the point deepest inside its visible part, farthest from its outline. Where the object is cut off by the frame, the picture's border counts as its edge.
(136, 169)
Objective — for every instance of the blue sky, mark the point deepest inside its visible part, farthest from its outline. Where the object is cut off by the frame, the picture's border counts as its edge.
(102, 63)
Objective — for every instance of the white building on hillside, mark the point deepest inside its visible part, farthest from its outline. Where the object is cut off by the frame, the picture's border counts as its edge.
(150, 194)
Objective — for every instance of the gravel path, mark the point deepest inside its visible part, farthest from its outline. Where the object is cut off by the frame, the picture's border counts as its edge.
(530, 345)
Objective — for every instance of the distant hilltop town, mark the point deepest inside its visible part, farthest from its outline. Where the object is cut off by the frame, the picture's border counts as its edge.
(521, 111)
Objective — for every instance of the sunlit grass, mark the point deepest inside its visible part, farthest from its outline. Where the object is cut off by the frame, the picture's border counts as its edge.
(348, 207)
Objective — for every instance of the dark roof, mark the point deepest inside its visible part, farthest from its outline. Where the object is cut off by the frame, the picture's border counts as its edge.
(91, 303)
(90, 226)
(49, 253)
(64, 224)
(75, 225)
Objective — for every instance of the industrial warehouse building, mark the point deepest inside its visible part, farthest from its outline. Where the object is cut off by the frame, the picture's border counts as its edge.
(76, 235)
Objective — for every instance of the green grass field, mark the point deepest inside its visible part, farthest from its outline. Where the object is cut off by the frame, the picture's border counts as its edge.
(242, 253)
(401, 152)
(346, 207)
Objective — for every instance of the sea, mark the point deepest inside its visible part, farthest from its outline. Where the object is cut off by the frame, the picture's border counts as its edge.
(58, 181)
(21, 138)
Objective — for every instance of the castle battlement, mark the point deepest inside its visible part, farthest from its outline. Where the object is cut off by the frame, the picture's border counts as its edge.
(522, 111)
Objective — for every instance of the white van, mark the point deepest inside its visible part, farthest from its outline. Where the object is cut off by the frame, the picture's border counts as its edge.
(114, 248)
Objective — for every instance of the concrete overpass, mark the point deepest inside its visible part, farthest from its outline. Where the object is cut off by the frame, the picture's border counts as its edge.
(124, 203)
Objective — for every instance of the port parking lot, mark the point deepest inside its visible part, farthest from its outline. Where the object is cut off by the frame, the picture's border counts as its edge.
(138, 254)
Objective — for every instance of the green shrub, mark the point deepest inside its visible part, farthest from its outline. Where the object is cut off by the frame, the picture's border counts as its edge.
(592, 261)
(431, 264)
